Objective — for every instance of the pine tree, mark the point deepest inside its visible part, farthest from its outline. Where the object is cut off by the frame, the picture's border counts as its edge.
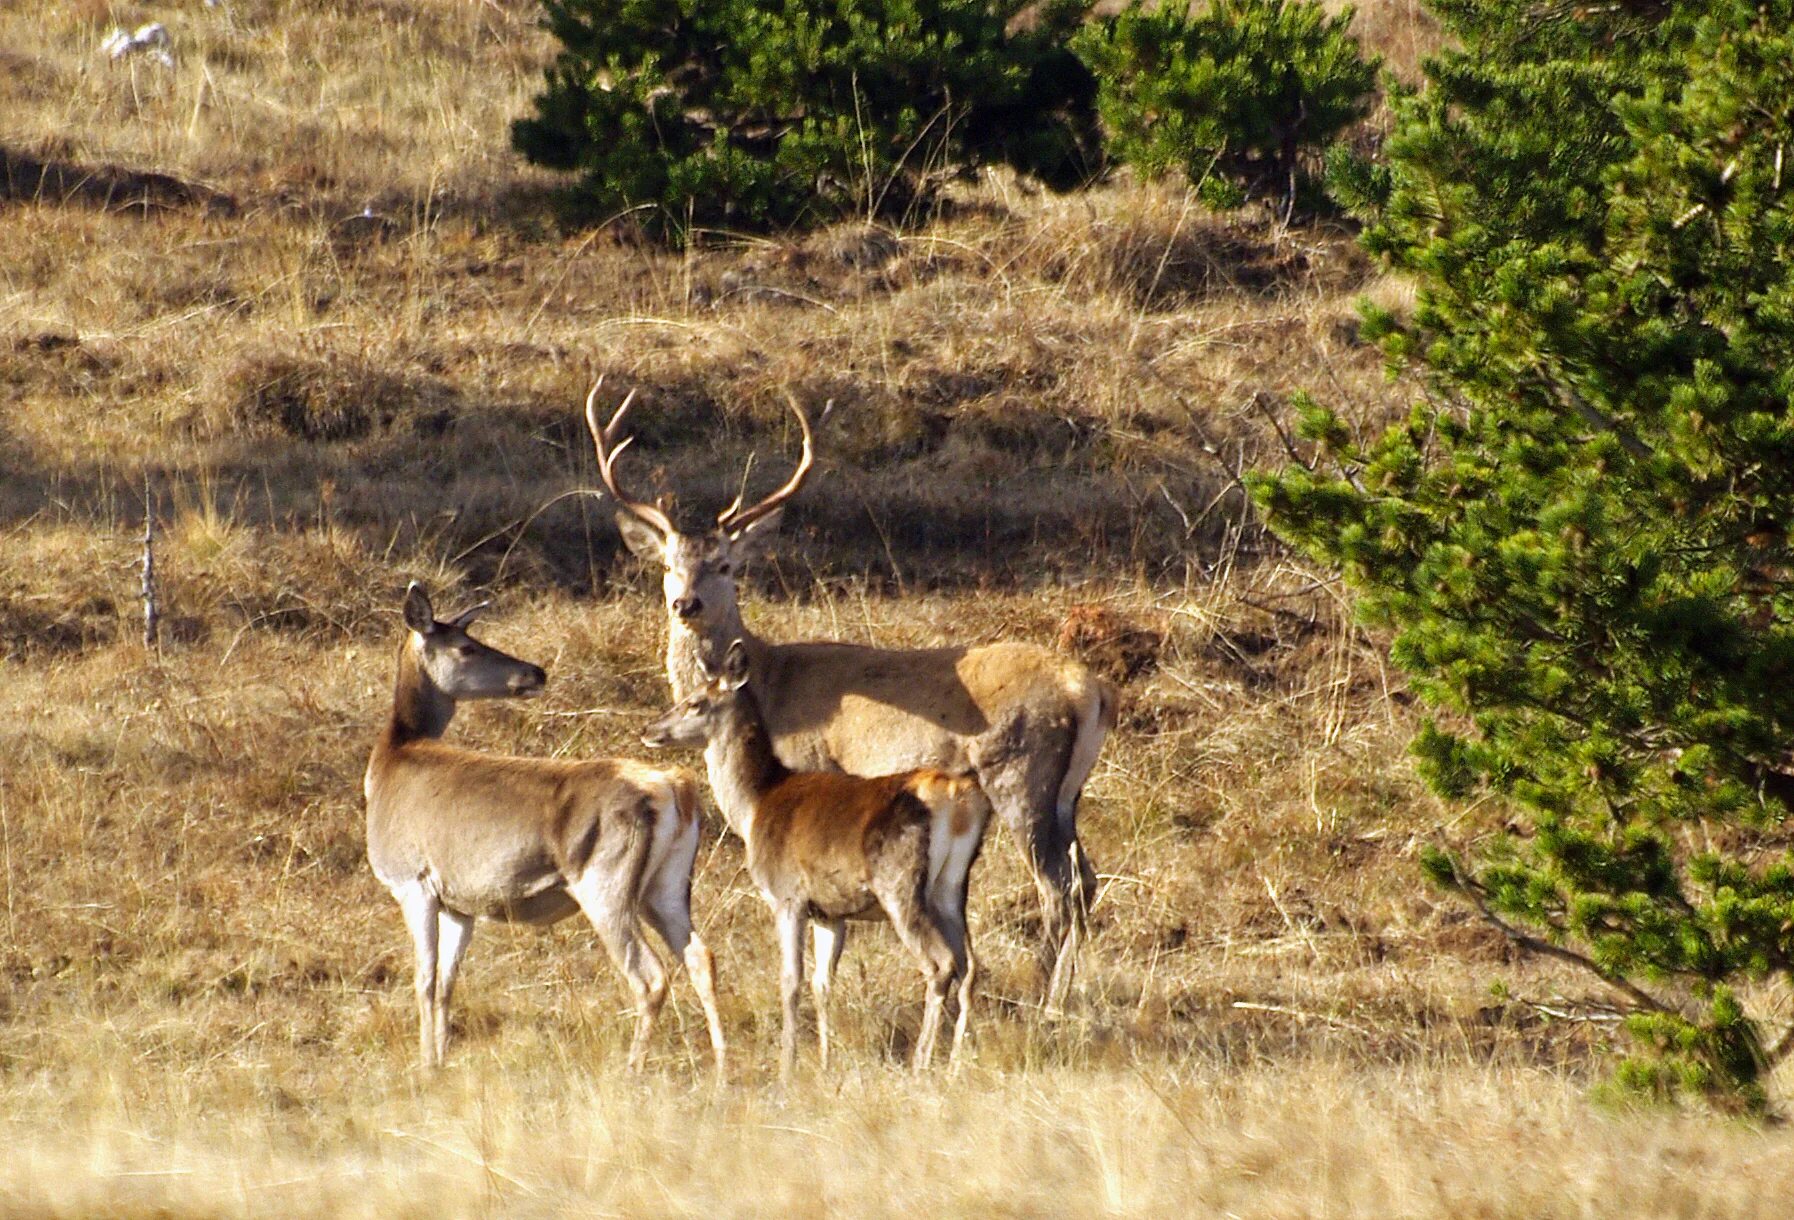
(734, 113)
(1236, 97)
(1580, 538)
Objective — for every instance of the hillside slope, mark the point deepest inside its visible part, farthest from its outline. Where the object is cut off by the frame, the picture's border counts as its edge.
(299, 287)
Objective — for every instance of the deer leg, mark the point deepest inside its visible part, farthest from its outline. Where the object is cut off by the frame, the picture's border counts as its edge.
(1065, 963)
(907, 908)
(947, 904)
(947, 901)
(1030, 819)
(791, 919)
(1086, 881)
(668, 911)
(702, 966)
(453, 932)
(966, 981)
(1035, 792)
(1080, 871)
(420, 908)
(608, 904)
(937, 971)
(828, 937)
(1086, 743)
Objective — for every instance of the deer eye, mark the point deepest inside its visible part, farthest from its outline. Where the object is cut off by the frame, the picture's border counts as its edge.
(725, 568)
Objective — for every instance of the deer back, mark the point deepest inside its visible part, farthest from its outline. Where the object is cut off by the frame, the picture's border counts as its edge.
(825, 835)
(498, 835)
(873, 711)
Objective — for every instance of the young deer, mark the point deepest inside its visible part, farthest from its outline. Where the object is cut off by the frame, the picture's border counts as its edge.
(831, 847)
(456, 834)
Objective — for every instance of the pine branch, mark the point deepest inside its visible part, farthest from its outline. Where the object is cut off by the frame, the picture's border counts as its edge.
(1559, 389)
(1523, 940)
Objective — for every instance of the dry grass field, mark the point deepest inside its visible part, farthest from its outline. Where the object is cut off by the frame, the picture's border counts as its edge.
(298, 285)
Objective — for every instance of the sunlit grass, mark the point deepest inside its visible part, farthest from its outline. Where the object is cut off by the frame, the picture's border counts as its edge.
(367, 369)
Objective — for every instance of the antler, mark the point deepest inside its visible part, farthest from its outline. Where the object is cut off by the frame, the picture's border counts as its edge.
(605, 440)
(735, 517)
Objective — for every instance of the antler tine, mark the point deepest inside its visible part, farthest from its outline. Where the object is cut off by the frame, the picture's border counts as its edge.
(735, 517)
(723, 517)
(604, 440)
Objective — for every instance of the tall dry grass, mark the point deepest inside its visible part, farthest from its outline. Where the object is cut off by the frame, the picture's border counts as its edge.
(1315, 1139)
(1042, 407)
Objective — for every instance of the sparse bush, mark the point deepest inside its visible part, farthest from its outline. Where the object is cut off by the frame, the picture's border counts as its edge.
(1237, 97)
(733, 113)
(326, 397)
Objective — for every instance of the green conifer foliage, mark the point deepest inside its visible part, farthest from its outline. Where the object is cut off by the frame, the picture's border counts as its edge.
(741, 114)
(1234, 97)
(1581, 537)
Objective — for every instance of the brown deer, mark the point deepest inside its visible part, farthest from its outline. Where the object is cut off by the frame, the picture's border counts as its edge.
(456, 835)
(832, 847)
(1027, 721)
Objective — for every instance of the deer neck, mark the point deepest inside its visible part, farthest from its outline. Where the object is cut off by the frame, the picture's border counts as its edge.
(688, 648)
(741, 763)
(420, 709)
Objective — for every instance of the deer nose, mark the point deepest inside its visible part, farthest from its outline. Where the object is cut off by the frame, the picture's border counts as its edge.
(532, 678)
(686, 607)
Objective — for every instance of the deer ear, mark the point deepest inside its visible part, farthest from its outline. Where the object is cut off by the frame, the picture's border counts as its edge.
(735, 666)
(641, 538)
(418, 615)
(753, 536)
(465, 619)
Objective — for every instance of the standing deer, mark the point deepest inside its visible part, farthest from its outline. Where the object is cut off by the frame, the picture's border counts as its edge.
(1027, 721)
(831, 847)
(455, 834)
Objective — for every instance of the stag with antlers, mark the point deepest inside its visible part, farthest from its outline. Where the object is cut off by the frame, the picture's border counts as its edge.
(1027, 721)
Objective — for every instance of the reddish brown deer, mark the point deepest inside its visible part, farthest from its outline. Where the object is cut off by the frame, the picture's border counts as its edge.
(457, 835)
(1027, 721)
(831, 847)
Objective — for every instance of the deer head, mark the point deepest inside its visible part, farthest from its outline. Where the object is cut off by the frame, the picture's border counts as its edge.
(458, 665)
(699, 571)
(694, 720)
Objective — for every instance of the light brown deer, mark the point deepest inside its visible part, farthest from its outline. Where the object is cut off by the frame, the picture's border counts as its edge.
(457, 835)
(1027, 721)
(831, 847)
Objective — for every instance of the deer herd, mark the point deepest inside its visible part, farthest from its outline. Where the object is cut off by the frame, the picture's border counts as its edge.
(861, 780)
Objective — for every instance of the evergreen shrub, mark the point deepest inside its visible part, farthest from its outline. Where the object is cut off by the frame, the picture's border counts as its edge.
(1582, 536)
(1240, 97)
(750, 115)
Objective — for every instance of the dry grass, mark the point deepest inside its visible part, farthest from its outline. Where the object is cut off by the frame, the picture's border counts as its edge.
(1322, 1139)
(1041, 406)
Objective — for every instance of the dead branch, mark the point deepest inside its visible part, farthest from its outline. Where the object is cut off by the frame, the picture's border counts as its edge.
(152, 613)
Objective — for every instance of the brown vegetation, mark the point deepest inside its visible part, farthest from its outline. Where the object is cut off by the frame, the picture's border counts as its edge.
(368, 367)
